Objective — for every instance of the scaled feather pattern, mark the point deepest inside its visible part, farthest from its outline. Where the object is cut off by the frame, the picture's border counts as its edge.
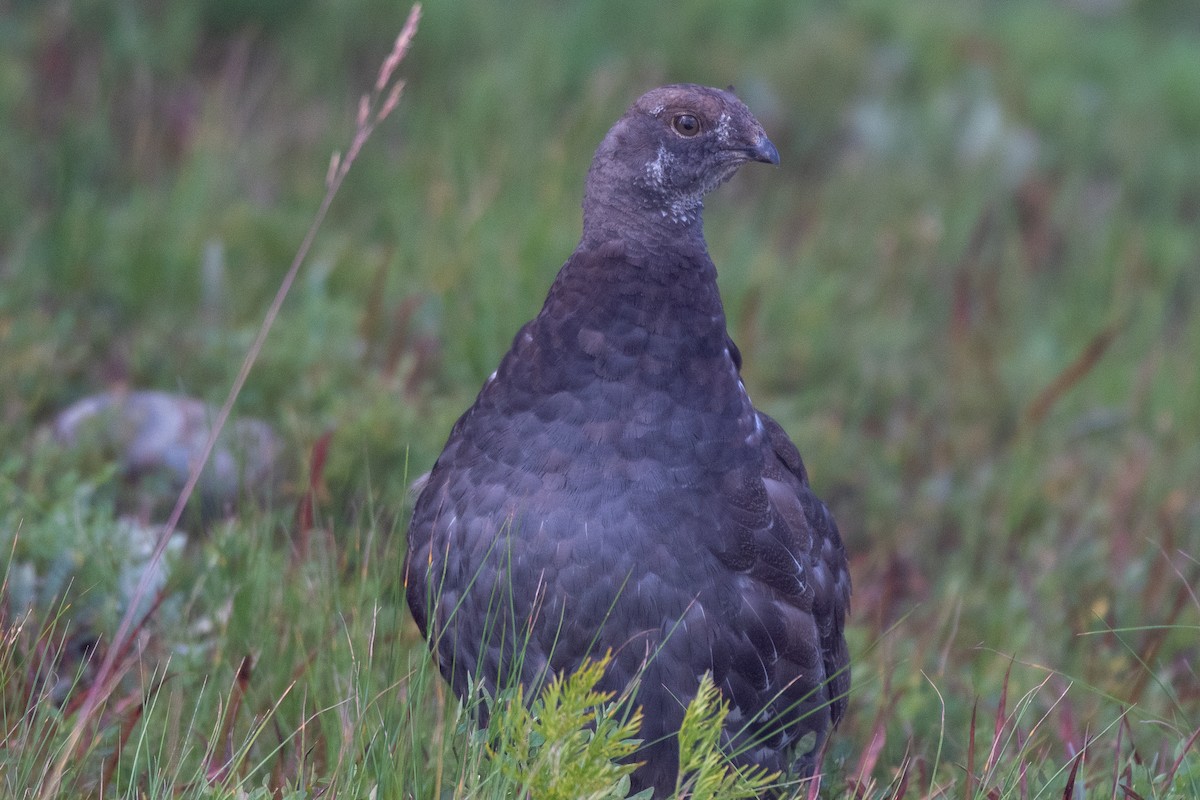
(613, 487)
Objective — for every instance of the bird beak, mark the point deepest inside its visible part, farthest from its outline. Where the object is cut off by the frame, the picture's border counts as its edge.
(764, 151)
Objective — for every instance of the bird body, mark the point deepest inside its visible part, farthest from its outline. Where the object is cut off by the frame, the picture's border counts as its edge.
(613, 487)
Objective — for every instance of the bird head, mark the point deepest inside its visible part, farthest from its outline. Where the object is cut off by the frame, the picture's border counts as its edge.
(673, 146)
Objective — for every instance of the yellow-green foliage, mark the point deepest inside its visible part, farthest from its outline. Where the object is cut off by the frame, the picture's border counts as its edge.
(704, 771)
(567, 743)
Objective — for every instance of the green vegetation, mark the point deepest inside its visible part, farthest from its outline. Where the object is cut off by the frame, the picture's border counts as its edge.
(549, 748)
(971, 293)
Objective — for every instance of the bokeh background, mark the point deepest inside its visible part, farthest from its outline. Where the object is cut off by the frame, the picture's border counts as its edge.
(970, 292)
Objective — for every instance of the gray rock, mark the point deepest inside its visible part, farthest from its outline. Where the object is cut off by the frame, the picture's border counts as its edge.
(156, 437)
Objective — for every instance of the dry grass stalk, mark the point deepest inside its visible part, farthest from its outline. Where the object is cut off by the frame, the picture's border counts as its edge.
(382, 99)
(1073, 374)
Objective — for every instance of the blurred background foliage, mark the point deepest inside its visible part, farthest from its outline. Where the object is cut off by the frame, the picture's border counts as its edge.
(970, 291)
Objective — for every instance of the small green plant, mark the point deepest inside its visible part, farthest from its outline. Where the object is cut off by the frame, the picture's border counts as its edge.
(576, 742)
(569, 742)
(704, 771)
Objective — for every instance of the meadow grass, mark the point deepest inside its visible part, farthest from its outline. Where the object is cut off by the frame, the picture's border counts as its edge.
(970, 293)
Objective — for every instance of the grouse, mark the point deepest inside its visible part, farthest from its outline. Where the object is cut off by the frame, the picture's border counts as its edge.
(613, 487)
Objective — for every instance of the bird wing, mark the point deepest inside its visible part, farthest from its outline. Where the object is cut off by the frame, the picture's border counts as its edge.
(807, 527)
(805, 514)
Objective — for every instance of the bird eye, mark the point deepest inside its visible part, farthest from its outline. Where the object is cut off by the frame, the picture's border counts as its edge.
(685, 125)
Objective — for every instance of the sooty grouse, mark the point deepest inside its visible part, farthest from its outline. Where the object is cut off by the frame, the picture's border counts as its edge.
(613, 487)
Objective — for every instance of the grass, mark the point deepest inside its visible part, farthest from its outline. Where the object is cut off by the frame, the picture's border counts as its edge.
(970, 294)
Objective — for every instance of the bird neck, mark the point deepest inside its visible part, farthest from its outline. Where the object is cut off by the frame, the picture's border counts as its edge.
(668, 291)
(639, 219)
(628, 201)
(633, 334)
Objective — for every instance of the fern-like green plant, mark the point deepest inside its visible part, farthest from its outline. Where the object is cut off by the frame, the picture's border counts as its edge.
(704, 771)
(568, 744)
